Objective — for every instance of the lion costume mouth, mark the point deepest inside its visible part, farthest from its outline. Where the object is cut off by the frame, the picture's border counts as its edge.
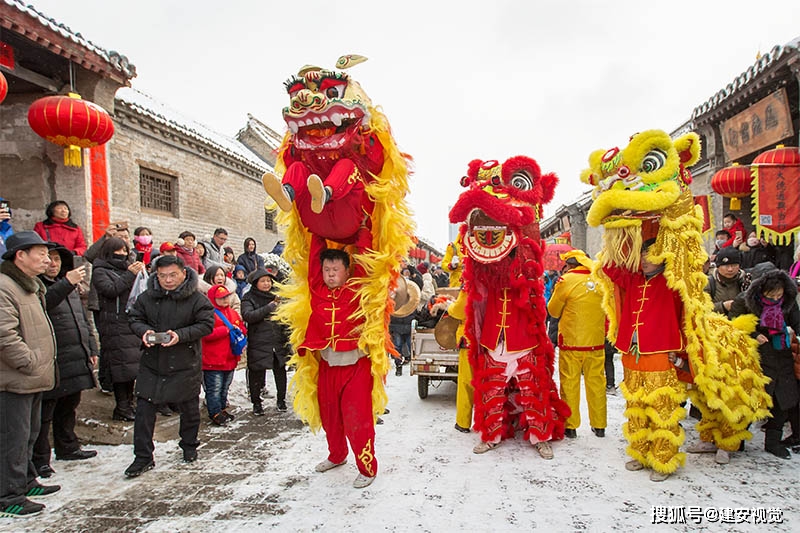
(328, 129)
(487, 240)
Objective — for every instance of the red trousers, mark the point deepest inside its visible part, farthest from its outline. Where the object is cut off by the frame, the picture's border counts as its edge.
(345, 409)
(345, 211)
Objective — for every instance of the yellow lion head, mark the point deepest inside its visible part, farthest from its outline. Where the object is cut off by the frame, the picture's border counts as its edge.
(640, 180)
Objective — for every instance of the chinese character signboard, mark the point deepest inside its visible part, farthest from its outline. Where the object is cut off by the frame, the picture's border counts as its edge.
(762, 124)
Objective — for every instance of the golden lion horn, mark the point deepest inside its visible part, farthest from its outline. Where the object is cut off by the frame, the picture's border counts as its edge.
(349, 60)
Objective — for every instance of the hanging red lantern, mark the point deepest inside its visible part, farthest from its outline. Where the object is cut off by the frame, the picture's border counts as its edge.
(3, 87)
(732, 182)
(780, 155)
(71, 122)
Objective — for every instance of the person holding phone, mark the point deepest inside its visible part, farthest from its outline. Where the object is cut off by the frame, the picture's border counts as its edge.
(6, 230)
(112, 279)
(169, 372)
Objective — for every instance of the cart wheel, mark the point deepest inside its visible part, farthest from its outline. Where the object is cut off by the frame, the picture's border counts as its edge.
(422, 386)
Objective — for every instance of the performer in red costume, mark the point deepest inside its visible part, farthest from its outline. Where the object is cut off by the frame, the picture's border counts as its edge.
(511, 356)
(650, 336)
(345, 378)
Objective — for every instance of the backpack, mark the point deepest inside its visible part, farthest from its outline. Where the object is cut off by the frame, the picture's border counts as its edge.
(237, 337)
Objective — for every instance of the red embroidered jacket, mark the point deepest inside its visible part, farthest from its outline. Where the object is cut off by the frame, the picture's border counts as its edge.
(331, 323)
(503, 320)
(648, 308)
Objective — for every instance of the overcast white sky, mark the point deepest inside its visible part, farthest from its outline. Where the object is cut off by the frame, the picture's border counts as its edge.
(458, 80)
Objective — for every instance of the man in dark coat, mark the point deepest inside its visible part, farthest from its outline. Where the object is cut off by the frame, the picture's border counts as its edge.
(170, 371)
(267, 341)
(77, 355)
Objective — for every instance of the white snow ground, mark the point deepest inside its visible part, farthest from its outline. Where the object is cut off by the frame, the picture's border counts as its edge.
(429, 480)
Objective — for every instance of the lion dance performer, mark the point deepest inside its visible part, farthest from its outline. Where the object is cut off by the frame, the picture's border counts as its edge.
(511, 356)
(642, 196)
(342, 198)
(453, 263)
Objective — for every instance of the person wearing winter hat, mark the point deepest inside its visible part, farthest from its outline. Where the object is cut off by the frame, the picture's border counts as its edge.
(267, 340)
(27, 369)
(240, 278)
(727, 280)
(219, 361)
(250, 260)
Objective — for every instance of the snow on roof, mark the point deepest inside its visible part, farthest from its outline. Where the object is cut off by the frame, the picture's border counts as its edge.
(747, 77)
(269, 136)
(117, 60)
(162, 114)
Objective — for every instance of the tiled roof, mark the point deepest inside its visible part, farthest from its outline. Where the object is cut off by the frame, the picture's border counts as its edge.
(267, 134)
(747, 77)
(117, 60)
(148, 106)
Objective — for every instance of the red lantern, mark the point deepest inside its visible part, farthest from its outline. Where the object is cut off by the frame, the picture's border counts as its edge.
(780, 156)
(3, 87)
(732, 182)
(70, 122)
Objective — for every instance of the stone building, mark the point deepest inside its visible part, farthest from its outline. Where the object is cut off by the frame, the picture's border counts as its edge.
(160, 169)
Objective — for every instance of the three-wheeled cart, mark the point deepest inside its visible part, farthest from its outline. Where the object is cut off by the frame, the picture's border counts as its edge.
(429, 361)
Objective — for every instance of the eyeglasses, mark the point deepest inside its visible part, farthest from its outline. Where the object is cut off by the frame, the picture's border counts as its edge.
(170, 275)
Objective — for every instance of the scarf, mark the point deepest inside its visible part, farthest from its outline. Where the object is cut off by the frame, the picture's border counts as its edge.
(146, 249)
(772, 320)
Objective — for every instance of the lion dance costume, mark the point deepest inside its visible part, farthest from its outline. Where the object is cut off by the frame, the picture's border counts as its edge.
(642, 192)
(511, 357)
(344, 181)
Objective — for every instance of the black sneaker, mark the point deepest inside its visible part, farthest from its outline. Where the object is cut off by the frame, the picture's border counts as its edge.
(21, 510)
(45, 471)
(571, 433)
(282, 406)
(189, 456)
(229, 417)
(139, 467)
(462, 429)
(600, 432)
(77, 455)
(38, 491)
(258, 409)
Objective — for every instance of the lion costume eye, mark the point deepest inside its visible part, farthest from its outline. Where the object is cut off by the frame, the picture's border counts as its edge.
(521, 181)
(654, 160)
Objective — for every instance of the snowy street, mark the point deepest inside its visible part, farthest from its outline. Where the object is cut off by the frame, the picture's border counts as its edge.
(257, 475)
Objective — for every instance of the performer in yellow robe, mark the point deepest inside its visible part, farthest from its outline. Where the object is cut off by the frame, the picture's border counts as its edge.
(577, 302)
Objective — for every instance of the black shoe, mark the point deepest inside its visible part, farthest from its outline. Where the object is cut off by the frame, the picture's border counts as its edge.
(227, 414)
(570, 433)
(386, 410)
(219, 419)
(45, 471)
(126, 416)
(462, 429)
(21, 510)
(189, 456)
(164, 410)
(791, 440)
(398, 371)
(282, 406)
(778, 451)
(77, 455)
(258, 409)
(37, 491)
(379, 421)
(139, 467)
(600, 432)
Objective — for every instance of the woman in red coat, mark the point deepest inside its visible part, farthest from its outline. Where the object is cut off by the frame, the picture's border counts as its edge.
(219, 362)
(59, 227)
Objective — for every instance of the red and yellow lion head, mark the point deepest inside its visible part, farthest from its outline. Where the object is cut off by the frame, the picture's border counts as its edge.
(501, 206)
